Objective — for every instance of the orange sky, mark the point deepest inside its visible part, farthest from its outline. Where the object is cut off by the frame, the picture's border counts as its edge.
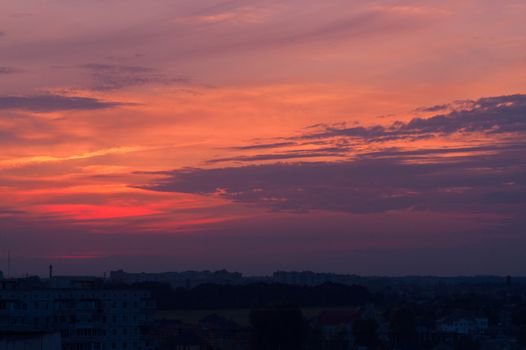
(153, 131)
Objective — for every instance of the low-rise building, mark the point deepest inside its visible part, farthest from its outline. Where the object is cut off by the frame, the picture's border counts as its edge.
(29, 341)
(87, 319)
(185, 279)
(464, 325)
(337, 323)
(177, 335)
(224, 334)
(309, 278)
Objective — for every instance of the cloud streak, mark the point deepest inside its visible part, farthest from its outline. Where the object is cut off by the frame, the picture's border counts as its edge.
(501, 119)
(477, 178)
(296, 154)
(368, 185)
(52, 103)
(494, 115)
(25, 161)
(9, 70)
(107, 77)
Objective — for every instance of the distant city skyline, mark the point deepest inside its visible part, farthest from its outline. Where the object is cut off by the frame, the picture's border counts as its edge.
(363, 137)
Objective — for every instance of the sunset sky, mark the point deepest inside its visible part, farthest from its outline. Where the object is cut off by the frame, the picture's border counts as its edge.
(351, 136)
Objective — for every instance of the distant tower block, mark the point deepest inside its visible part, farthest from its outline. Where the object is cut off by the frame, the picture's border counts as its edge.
(50, 272)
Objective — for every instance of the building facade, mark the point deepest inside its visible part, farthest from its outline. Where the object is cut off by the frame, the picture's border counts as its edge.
(87, 319)
(463, 325)
(185, 279)
(29, 341)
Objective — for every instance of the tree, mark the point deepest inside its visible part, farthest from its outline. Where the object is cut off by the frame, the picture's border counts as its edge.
(278, 327)
(402, 326)
(521, 335)
(339, 341)
(519, 315)
(315, 339)
(365, 332)
(465, 343)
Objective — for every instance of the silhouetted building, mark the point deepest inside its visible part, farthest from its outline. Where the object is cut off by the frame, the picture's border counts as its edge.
(187, 279)
(29, 341)
(177, 335)
(75, 282)
(462, 324)
(309, 278)
(334, 322)
(94, 319)
(222, 333)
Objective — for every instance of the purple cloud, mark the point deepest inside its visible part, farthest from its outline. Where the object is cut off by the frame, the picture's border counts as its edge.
(113, 77)
(494, 115)
(490, 178)
(263, 146)
(8, 70)
(50, 102)
(365, 185)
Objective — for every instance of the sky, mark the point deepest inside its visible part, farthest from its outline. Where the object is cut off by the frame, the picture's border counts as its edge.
(350, 136)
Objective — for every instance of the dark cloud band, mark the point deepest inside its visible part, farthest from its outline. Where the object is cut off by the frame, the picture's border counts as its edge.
(480, 178)
(50, 103)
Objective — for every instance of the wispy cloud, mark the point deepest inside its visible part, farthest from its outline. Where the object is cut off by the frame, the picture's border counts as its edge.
(76, 257)
(51, 103)
(263, 146)
(25, 161)
(111, 76)
(501, 117)
(294, 154)
(494, 115)
(243, 14)
(483, 177)
(9, 70)
(367, 185)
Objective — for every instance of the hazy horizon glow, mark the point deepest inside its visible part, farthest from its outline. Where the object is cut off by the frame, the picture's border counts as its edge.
(369, 137)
